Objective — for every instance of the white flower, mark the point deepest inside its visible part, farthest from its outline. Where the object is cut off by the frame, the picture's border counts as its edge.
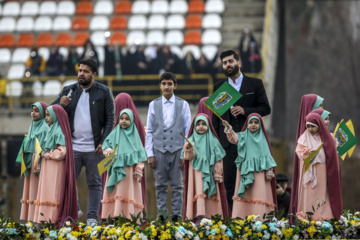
(196, 237)
(205, 222)
(318, 223)
(274, 219)
(190, 234)
(143, 236)
(278, 232)
(68, 223)
(296, 237)
(70, 237)
(178, 235)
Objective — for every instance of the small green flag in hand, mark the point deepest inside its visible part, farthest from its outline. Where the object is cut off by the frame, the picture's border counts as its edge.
(223, 98)
(311, 157)
(345, 138)
(104, 165)
(18, 158)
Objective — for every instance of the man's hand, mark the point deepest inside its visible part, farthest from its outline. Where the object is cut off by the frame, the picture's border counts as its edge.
(64, 101)
(237, 110)
(181, 163)
(99, 150)
(152, 162)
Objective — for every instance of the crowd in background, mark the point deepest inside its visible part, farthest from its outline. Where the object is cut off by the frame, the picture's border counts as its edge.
(135, 60)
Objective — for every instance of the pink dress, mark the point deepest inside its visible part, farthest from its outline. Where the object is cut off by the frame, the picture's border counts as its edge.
(126, 198)
(258, 197)
(308, 196)
(31, 184)
(49, 191)
(198, 203)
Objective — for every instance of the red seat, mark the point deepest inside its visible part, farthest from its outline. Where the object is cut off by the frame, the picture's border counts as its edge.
(192, 37)
(63, 40)
(123, 7)
(80, 23)
(25, 40)
(196, 6)
(118, 37)
(193, 21)
(44, 40)
(118, 22)
(80, 39)
(84, 7)
(7, 41)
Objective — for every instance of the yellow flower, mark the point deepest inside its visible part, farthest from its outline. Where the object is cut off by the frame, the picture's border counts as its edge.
(259, 234)
(287, 232)
(201, 234)
(312, 222)
(46, 230)
(210, 237)
(217, 231)
(263, 226)
(311, 230)
(220, 223)
(246, 229)
(353, 222)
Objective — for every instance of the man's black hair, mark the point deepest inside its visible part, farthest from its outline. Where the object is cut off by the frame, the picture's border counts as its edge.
(227, 53)
(91, 63)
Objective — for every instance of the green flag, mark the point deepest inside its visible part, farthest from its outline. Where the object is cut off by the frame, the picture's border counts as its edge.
(104, 165)
(345, 138)
(223, 98)
(308, 161)
(19, 156)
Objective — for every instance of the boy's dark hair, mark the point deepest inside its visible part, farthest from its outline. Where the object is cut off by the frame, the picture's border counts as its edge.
(227, 53)
(91, 63)
(168, 75)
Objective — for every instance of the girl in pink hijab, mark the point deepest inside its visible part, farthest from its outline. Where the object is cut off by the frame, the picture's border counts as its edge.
(309, 102)
(322, 181)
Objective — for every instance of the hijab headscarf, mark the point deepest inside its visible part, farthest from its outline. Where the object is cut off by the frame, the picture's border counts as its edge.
(254, 154)
(332, 165)
(210, 150)
(38, 129)
(55, 135)
(129, 152)
(68, 200)
(323, 113)
(318, 102)
(210, 131)
(307, 104)
(202, 108)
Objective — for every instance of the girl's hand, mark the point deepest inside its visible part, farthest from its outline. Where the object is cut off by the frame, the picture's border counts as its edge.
(188, 146)
(269, 175)
(218, 179)
(138, 176)
(225, 124)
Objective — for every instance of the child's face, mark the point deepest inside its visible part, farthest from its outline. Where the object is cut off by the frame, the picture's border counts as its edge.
(321, 106)
(201, 127)
(312, 129)
(48, 118)
(167, 87)
(124, 121)
(254, 125)
(327, 121)
(35, 114)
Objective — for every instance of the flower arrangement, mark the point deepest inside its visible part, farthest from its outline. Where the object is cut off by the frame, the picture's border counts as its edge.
(250, 228)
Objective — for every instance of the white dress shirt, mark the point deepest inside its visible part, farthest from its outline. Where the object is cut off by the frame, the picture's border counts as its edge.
(238, 82)
(168, 107)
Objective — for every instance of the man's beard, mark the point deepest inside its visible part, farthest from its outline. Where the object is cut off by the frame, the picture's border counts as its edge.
(84, 82)
(234, 71)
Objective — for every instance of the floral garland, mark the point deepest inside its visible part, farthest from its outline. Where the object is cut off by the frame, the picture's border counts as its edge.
(250, 228)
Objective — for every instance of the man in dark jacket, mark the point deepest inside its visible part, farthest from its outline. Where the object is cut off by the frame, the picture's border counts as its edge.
(253, 100)
(90, 109)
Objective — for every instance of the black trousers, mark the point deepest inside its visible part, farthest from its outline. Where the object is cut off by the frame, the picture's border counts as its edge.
(229, 169)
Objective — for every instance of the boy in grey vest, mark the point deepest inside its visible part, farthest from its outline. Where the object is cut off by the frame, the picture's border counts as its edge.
(168, 116)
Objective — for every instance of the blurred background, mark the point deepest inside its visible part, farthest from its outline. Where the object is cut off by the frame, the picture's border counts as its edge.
(296, 47)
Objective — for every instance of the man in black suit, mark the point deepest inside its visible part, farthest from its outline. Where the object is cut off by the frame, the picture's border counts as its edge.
(253, 100)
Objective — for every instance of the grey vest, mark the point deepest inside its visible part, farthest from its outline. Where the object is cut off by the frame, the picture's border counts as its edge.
(168, 138)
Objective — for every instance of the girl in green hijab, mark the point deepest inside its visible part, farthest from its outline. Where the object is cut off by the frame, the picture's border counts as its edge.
(205, 194)
(123, 194)
(37, 130)
(255, 192)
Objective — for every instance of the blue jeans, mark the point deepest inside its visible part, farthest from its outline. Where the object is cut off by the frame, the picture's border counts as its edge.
(90, 160)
